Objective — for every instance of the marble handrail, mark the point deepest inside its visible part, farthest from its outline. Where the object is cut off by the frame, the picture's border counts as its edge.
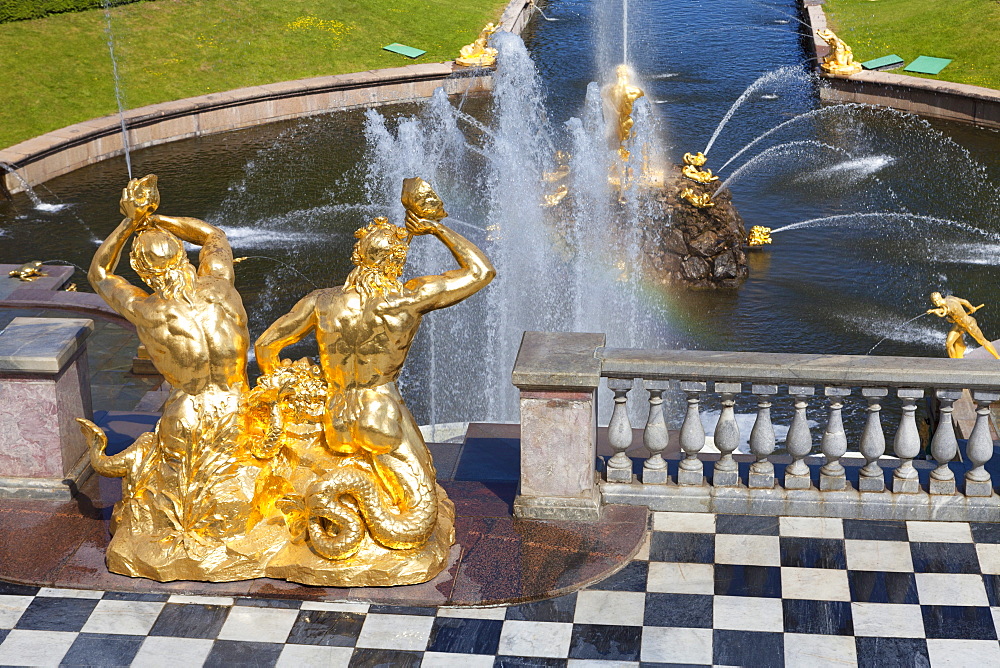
(555, 368)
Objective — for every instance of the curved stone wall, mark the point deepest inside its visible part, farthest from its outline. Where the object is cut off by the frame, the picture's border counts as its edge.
(61, 151)
(926, 97)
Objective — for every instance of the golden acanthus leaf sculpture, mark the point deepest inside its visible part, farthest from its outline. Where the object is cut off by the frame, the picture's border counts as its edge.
(318, 474)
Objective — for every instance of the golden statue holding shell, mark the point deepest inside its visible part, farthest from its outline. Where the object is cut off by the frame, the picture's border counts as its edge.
(318, 474)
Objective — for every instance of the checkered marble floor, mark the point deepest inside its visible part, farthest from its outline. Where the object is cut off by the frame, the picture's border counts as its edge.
(705, 590)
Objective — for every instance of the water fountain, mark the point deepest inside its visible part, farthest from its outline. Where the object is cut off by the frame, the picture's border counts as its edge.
(575, 266)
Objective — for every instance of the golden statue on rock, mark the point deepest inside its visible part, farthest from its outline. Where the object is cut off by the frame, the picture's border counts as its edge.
(841, 58)
(622, 96)
(318, 474)
(700, 201)
(959, 312)
(478, 54)
(759, 236)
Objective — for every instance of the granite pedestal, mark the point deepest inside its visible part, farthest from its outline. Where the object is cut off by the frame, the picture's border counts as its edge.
(44, 386)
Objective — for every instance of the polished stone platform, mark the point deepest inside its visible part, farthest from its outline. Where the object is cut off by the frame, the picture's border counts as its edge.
(496, 559)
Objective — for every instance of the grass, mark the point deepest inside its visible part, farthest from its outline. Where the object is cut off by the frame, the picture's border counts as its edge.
(57, 70)
(967, 31)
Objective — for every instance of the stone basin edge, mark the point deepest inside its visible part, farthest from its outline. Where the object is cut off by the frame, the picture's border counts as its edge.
(61, 151)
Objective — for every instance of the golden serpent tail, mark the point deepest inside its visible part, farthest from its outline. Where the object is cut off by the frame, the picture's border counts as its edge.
(335, 529)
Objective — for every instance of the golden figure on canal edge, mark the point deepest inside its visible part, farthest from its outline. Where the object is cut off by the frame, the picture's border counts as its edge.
(318, 474)
(959, 312)
(841, 58)
(478, 54)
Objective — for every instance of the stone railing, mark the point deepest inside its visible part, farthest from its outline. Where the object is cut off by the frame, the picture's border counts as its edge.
(559, 374)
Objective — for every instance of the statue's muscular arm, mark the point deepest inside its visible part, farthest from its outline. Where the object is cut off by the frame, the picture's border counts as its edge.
(428, 293)
(115, 290)
(285, 331)
(216, 256)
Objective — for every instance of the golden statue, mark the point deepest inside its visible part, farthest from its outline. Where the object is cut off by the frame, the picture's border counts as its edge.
(701, 201)
(28, 271)
(698, 175)
(556, 197)
(318, 474)
(954, 310)
(695, 159)
(759, 235)
(622, 96)
(841, 58)
(478, 54)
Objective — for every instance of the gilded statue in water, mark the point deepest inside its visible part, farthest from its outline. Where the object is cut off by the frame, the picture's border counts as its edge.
(959, 312)
(318, 474)
(841, 57)
(622, 96)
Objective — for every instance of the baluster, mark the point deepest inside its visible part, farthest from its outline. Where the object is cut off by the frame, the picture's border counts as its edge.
(799, 440)
(691, 470)
(871, 478)
(762, 438)
(834, 443)
(727, 437)
(906, 444)
(944, 444)
(980, 447)
(619, 468)
(654, 437)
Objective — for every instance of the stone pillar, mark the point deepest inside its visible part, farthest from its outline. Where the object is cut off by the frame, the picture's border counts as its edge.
(558, 374)
(44, 386)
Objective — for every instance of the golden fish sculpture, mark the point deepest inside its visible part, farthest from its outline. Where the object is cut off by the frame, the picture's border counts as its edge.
(759, 236)
(318, 474)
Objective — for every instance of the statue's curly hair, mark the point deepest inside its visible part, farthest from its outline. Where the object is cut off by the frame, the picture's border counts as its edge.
(369, 277)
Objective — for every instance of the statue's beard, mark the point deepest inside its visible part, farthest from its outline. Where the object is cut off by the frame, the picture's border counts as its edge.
(375, 281)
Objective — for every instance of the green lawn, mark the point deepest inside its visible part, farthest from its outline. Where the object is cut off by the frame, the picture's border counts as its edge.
(56, 71)
(967, 31)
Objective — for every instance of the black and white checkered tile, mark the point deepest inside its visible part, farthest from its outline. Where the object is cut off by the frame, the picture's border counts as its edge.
(705, 590)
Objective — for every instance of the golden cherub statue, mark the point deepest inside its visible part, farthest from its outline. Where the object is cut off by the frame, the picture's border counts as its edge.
(701, 201)
(959, 312)
(841, 57)
(478, 54)
(318, 474)
(759, 235)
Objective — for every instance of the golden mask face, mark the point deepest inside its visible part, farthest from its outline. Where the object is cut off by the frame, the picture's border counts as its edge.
(419, 197)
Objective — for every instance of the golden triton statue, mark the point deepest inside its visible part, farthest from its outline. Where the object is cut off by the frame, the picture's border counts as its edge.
(622, 96)
(318, 474)
(701, 201)
(759, 235)
(841, 57)
(954, 310)
(478, 54)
